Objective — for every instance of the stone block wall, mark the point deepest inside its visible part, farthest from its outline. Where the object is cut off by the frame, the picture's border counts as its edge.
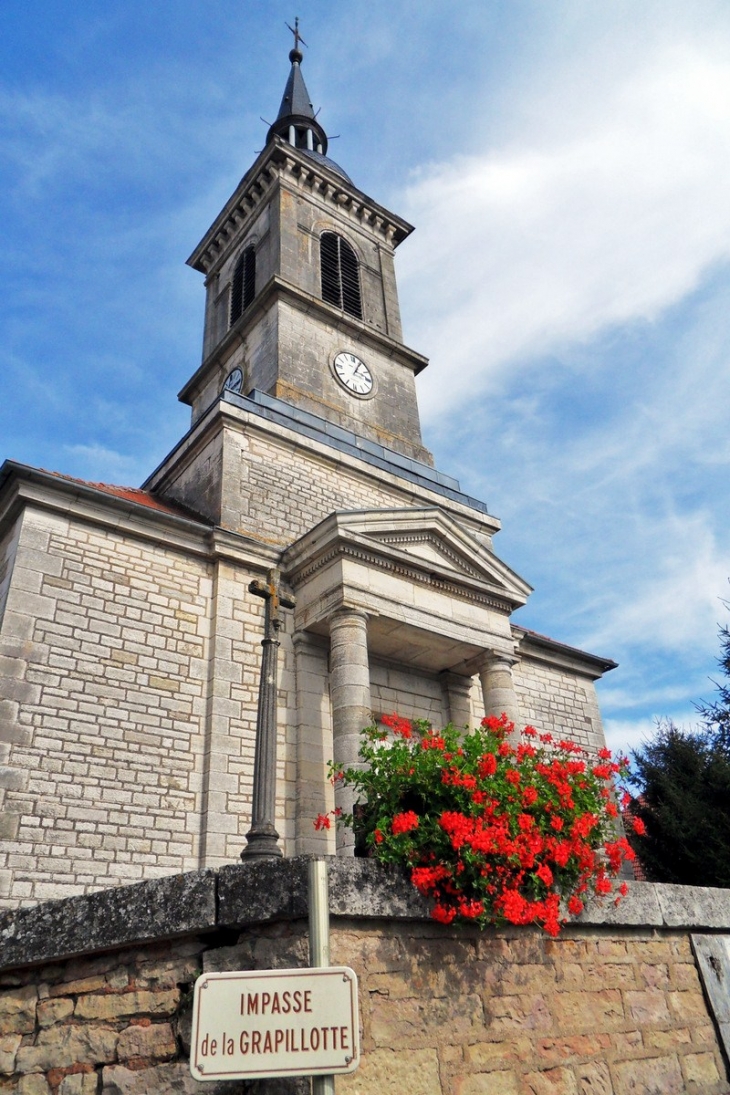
(282, 491)
(613, 1007)
(8, 547)
(411, 694)
(103, 689)
(560, 702)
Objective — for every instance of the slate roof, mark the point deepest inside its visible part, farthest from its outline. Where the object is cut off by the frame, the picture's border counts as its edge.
(296, 97)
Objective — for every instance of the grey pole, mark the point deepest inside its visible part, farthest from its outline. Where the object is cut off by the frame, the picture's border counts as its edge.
(319, 943)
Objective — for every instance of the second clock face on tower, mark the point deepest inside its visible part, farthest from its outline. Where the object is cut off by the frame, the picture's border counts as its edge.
(353, 374)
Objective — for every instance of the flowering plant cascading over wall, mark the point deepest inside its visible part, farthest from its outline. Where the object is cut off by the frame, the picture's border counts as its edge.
(495, 833)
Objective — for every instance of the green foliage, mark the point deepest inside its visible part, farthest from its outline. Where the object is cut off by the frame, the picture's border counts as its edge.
(683, 784)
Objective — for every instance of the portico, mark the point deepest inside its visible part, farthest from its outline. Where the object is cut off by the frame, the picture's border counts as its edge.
(412, 588)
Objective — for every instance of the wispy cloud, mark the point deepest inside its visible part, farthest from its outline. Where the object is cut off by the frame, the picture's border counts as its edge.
(101, 464)
(564, 232)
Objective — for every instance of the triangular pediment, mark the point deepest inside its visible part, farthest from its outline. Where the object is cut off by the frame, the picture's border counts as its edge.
(428, 541)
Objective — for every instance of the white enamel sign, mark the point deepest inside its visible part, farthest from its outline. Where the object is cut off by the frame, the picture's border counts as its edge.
(301, 1022)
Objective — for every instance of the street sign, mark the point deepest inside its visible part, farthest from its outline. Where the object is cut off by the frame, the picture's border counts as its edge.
(258, 1023)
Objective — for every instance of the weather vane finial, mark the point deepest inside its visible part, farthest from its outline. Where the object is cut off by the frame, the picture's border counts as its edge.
(297, 36)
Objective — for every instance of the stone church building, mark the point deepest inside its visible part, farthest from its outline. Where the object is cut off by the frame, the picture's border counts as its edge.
(130, 643)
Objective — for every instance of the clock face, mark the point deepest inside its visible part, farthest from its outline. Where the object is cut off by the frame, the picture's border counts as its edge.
(353, 374)
(234, 381)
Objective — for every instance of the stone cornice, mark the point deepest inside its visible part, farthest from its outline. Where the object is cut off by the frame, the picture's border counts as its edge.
(559, 655)
(413, 572)
(279, 161)
(374, 537)
(23, 487)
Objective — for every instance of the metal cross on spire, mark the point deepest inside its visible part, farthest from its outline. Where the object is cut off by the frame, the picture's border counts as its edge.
(297, 36)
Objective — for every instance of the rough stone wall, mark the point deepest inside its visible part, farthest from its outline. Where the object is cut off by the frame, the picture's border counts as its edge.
(601, 1011)
(103, 686)
(411, 694)
(560, 702)
(519, 1014)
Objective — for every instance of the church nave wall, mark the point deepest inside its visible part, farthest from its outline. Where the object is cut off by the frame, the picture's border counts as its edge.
(407, 692)
(108, 695)
(279, 489)
(563, 703)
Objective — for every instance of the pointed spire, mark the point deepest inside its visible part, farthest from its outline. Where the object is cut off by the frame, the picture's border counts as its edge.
(296, 97)
(296, 122)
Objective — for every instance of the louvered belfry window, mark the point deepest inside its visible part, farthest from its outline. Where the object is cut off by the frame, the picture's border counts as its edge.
(243, 284)
(340, 274)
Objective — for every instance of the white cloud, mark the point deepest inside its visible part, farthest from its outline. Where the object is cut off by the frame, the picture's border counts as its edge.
(624, 735)
(104, 464)
(675, 598)
(610, 212)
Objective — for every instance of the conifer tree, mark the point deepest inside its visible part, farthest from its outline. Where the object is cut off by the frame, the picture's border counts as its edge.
(682, 779)
(716, 716)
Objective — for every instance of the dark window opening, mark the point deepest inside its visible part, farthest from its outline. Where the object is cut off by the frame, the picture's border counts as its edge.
(340, 274)
(243, 284)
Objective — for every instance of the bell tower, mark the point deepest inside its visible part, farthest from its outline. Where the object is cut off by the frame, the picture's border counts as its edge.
(302, 303)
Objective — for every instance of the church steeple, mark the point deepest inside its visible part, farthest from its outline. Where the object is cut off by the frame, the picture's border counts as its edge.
(302, 303)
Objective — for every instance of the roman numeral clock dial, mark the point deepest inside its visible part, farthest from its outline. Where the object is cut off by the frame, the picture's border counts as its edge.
(353, 374)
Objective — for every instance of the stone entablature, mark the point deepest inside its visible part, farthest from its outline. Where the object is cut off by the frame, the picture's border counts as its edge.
(95, 991)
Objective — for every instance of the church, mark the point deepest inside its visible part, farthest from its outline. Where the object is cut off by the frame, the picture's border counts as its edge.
(130, 639)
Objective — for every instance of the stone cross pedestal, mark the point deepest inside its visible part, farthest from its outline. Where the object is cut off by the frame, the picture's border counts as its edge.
(262, 838)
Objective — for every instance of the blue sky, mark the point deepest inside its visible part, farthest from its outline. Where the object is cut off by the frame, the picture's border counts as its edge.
(566, 167)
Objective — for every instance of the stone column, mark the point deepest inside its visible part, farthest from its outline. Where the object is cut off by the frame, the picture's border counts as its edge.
(458, 694)
(498, 687)
(314, 745)
(350, 697)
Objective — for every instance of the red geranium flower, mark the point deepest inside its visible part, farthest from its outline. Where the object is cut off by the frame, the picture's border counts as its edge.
(403, 823)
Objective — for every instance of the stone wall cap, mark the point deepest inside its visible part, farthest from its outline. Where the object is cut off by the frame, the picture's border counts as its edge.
(162, 908)
(276, 890)
(693, 906)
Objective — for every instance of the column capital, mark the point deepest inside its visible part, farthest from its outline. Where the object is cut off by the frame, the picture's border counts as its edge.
(344, 613)
(301, 639)
(490, 659)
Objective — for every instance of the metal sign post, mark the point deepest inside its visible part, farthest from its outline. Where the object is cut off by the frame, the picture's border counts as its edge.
(319, 943)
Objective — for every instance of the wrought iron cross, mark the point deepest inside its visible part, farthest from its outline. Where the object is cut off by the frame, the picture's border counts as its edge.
(262, 838)
(297, 36)
(270, 590)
